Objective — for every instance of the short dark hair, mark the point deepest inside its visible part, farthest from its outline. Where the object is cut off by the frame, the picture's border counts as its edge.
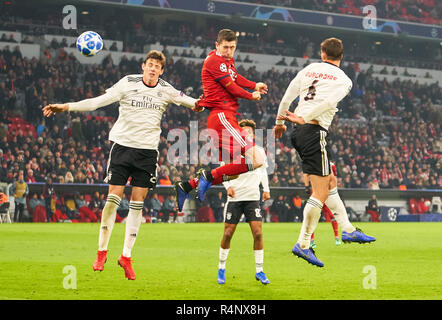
(226, 35)
(156, 55)
(247, 123)
(333, 48)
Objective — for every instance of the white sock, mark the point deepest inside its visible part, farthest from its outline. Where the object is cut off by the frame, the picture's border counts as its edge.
(108, 220)
(312, 213)
(223, 253)
(133, 222)
(335, 204)
(259, 260)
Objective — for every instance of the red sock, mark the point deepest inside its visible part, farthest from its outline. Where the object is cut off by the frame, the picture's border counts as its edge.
(230, 169)
(313, 236)
(193, 183)
(335, 228)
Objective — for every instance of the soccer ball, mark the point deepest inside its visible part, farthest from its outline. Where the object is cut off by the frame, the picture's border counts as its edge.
(89, 43)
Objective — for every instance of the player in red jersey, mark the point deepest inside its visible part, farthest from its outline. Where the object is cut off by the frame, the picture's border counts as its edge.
(329, 217)
(222, 86)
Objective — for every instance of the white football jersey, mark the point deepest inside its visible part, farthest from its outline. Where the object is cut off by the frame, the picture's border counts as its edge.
(320, 86)
(246, 186)
(140, 112)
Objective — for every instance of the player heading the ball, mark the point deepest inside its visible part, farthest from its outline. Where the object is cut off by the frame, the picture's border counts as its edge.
(135, 137)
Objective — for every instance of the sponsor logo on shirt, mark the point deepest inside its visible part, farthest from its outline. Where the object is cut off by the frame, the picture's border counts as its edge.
(146, 103)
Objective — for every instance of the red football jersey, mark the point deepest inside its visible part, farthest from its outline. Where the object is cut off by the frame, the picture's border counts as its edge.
(222, 85)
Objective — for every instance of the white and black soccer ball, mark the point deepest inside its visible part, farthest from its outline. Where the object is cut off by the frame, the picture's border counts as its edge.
(89, 43)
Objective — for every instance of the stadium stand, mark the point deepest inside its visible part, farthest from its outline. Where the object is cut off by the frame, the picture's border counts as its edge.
(418, 11)
(386, 135)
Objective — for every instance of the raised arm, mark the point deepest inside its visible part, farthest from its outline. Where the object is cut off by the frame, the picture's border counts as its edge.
(290, 95)
(112, 95)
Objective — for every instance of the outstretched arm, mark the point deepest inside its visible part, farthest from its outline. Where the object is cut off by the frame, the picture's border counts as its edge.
(112, 95)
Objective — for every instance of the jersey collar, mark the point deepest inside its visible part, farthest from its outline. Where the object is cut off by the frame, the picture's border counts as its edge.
(331, 64)
(142, 79)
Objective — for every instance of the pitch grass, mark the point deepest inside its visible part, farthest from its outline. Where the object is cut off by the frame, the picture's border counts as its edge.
(180, 261)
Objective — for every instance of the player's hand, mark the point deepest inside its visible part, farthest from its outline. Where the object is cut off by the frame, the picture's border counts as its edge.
(261, 87)
(265, 196)
(290, 116)
(197, 107)
(256, 95)
(51, 109)
(231, 192)
(279, 129)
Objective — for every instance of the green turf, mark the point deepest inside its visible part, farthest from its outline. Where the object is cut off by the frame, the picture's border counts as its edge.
(180, 261)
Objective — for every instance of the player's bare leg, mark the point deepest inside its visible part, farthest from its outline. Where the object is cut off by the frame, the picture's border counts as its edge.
(107, 223)
(133, 222)
(258, 250)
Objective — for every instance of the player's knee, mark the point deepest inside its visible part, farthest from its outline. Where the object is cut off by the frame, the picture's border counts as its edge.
(257, 235)
(228, 233)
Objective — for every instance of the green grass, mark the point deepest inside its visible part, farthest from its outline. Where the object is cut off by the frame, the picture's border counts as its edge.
(180, 261)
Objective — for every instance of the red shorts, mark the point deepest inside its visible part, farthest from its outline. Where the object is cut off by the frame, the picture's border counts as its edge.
(232, 141)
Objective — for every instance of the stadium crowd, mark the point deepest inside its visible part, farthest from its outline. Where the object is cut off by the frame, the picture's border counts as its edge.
(388, 137)
(419, 11)
(268, 40)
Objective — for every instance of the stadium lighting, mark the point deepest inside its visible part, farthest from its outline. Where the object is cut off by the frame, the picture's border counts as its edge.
(85, 12)
(378, 42)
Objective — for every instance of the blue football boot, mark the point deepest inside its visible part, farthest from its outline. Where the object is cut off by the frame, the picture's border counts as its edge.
(261, 276)
(221, 276)
(181, 195)
(203, 184)
(307, 254)
(356, 236)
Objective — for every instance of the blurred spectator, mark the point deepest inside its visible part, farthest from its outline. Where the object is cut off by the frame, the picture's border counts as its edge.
(169, 206)
(20, 190)
(217, 204)
(49, 197)
(373, 209)
(155, 205)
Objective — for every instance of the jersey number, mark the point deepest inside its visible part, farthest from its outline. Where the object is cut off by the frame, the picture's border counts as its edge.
(311, 91)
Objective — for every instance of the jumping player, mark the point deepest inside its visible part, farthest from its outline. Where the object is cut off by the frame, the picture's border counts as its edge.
(222, 86)
(135, 135)
(243, 198)
(320, 86)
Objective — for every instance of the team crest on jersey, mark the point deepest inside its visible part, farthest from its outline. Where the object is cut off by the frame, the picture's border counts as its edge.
(223, 67)
(159, 94)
